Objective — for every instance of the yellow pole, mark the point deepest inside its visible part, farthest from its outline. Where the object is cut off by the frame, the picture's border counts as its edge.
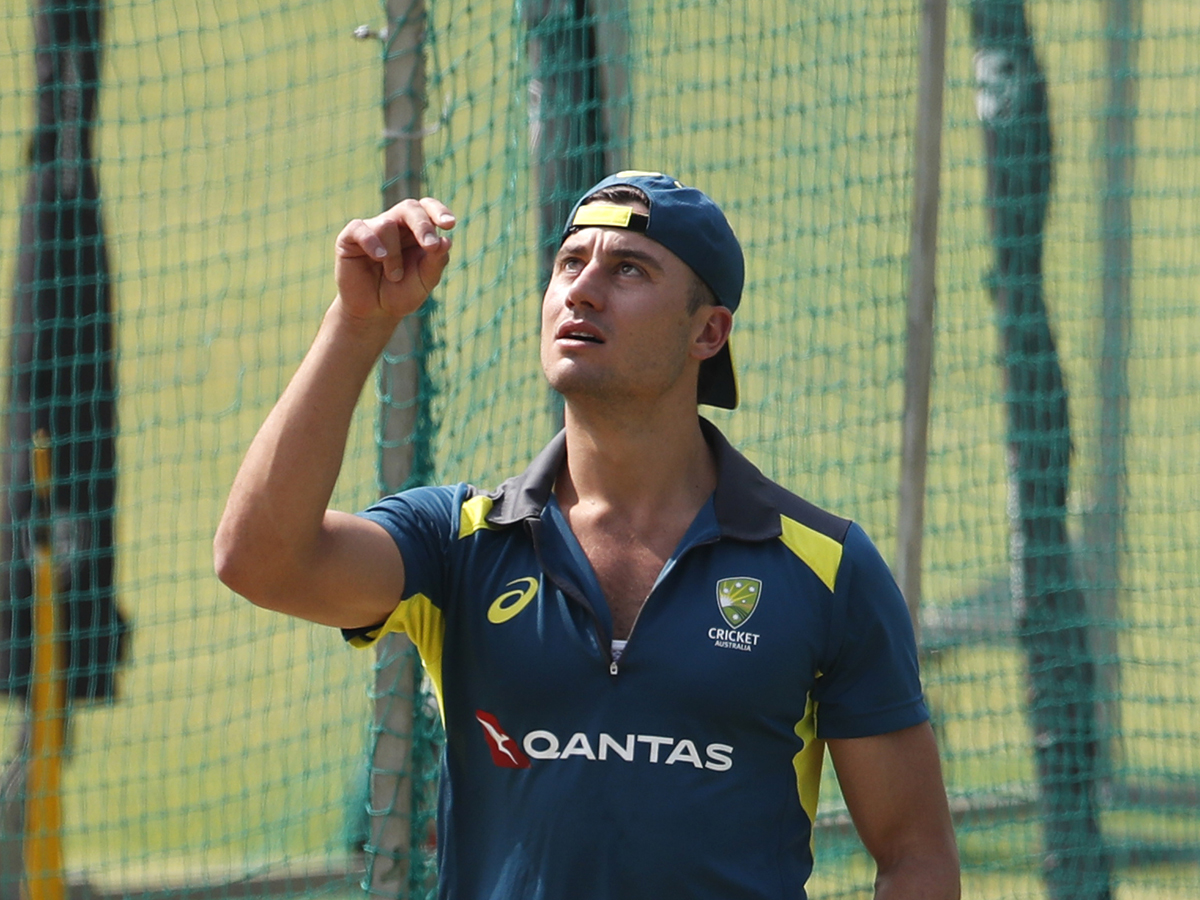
(47, 702)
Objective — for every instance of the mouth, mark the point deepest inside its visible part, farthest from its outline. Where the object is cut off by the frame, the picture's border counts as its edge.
(578, 331)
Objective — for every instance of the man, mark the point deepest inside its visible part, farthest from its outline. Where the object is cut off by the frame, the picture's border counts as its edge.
(641, 646)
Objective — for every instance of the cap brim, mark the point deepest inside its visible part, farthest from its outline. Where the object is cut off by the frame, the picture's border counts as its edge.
(718, 384)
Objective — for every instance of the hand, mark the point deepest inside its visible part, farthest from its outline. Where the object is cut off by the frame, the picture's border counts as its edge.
(386, 266)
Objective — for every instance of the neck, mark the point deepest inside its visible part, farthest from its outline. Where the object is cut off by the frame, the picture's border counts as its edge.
(637, 465)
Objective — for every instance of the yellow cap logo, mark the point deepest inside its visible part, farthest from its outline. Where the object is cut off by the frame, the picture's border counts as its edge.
(602, 215)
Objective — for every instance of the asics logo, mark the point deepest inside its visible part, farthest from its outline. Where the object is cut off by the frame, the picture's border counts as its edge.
(505, 752)
(512, 602)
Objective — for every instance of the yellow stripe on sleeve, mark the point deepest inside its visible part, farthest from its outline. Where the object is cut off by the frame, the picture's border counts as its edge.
(819, 552)
(809, 761)
(426, 628)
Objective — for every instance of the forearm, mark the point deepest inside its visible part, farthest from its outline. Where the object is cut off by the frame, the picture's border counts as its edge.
(893, 787)
(274, 519)
(278, 544)
(932, 877)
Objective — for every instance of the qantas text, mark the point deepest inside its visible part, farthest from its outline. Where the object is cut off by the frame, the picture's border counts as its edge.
(652, 748)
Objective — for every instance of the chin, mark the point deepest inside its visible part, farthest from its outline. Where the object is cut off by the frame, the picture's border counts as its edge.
(573, 384)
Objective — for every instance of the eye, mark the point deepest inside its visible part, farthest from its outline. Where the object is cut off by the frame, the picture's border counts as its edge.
(628, 268)
(571, 264)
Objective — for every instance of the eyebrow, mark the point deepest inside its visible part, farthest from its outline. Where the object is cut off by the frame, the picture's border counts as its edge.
(623, 253)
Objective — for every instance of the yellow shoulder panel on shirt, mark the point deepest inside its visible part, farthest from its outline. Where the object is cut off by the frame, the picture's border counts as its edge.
(426, 628)
(819, 552)
(473, 516)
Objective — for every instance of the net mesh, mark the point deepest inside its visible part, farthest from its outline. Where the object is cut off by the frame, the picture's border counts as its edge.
(231, 144)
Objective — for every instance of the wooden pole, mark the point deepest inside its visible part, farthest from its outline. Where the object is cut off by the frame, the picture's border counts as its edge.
(404, 103)
(390, 865)
(918, 356)
(47, 705)
(1104, 526)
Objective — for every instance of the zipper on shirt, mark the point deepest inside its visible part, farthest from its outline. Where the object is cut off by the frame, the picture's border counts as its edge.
(613, 668)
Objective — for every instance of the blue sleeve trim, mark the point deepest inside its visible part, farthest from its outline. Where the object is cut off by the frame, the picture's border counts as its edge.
(878, 722)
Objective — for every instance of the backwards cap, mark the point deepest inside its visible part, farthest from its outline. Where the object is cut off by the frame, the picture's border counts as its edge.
(688, 223)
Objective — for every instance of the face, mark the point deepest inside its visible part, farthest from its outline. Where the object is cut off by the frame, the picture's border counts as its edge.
(615, 320)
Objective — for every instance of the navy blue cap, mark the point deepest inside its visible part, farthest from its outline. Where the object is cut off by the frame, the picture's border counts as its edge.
(688, 223)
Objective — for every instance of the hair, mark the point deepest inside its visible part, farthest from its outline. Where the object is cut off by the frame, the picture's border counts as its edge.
(619, 193)
(700, 294)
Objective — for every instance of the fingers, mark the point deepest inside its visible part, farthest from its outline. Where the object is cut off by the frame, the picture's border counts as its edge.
(362, 239)
(388, 264)
(439, 214)
(432, 263)
(385, 238)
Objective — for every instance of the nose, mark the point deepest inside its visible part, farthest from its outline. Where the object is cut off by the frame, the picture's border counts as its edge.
(586, 288)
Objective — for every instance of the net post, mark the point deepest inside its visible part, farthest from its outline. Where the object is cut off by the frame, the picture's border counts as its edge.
(616, 99)
(579, 91)
(1049, 605)
(918, 355)
(390, 869)
(1104, 524)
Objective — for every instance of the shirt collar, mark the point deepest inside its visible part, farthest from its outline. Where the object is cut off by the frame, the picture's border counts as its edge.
(743, 500)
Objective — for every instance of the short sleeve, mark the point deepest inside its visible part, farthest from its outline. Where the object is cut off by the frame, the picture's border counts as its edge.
(869, 682)
(422, 522)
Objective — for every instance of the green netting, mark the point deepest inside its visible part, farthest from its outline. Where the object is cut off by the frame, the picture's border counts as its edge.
(231, 143)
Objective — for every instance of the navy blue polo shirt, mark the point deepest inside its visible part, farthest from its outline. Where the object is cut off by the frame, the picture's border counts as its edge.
(690, 766)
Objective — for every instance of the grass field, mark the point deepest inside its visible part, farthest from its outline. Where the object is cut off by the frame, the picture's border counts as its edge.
(234, 143)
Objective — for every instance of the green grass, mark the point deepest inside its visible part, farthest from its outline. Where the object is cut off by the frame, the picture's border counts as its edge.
(235, 142)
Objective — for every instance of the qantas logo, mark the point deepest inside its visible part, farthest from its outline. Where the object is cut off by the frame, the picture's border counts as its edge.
(653, 748)
(505, 752)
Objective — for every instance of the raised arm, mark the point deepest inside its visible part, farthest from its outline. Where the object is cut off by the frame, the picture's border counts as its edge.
(893, 788)
(277, 544)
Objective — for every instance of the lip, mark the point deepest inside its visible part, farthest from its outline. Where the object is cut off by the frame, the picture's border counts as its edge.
(578, 332)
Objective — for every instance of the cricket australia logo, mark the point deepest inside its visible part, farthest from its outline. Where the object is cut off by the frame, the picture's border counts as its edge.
(737, 598)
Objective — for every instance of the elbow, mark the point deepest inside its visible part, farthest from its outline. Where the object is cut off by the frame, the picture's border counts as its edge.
(240, 568)
(229, 562)
(262, 569)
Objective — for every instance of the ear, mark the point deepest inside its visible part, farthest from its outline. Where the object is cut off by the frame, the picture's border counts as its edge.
(713, 325)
